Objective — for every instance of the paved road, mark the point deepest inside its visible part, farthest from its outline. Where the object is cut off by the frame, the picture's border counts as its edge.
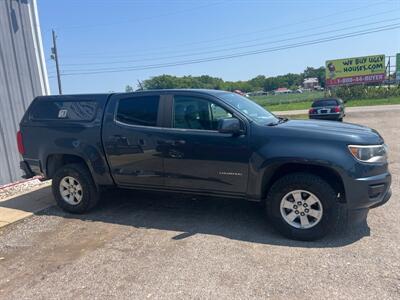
(363, 109)
(138, 245)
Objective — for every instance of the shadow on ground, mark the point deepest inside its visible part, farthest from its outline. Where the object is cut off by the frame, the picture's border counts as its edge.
(233, 219)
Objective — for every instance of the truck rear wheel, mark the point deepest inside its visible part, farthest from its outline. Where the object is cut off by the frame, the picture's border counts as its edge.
(302, 206)
(74, 189)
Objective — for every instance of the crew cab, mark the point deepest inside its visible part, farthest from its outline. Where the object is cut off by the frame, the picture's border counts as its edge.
(214, 143)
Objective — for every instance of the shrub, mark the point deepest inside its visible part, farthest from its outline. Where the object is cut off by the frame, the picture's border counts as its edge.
(365, 92)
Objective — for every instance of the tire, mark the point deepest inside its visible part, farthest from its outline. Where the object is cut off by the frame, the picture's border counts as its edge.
(74, 179)
(340, 120)
(322, 215)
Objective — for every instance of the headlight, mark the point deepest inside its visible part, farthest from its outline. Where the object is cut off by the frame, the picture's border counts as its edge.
(370, 154)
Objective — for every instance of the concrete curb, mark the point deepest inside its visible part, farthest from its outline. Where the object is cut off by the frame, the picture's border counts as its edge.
(25, 204)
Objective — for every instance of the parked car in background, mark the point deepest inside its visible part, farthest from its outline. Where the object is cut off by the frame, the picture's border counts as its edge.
(327, 109)
(318, 88)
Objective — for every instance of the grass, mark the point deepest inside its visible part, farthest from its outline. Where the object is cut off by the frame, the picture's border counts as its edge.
(287, 98)
(296, 105)
(296, 117)
(289, 106)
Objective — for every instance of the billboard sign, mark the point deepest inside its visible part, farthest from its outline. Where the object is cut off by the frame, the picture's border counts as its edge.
(398, 66)
(355, 70)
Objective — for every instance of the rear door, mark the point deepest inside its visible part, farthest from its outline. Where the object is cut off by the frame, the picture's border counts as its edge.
(197, 156)
(131, 130)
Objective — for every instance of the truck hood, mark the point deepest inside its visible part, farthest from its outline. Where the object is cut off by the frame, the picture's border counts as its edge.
(332, 130)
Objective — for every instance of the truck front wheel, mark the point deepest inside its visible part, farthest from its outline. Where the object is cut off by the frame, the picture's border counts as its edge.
(302, 206)
(74, 189)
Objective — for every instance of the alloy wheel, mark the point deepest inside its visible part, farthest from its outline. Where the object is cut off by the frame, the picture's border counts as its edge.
(71, 190)
(301, 209)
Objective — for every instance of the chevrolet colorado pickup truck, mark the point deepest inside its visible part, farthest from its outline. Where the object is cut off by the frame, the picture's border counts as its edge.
(206, 142)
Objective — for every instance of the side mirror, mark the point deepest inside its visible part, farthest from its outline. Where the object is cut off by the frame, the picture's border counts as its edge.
(229, 125)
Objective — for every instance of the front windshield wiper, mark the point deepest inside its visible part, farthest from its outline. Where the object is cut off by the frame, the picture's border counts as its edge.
(280, 120)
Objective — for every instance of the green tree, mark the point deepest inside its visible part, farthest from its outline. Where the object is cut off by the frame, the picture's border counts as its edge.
(319, 73)
(257, 83)
(128, 88)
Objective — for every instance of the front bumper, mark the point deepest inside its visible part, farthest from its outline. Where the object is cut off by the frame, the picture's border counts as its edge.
(368, 192)
(384, 200)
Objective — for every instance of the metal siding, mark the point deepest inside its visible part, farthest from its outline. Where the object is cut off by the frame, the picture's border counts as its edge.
(22, 76)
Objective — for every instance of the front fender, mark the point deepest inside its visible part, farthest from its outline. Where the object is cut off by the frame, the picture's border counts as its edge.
(265, 162)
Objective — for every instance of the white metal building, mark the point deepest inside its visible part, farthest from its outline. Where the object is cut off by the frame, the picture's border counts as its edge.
(23, 76)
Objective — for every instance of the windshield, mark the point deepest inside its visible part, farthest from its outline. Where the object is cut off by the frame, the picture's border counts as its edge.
(249, 108)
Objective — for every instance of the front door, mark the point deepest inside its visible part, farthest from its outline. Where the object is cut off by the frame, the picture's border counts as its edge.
(199, 158)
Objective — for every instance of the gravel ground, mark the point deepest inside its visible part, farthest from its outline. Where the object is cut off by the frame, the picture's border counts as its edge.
(142, 245)
(21, 187)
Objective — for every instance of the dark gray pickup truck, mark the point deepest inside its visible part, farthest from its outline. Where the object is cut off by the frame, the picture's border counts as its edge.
(206, 142)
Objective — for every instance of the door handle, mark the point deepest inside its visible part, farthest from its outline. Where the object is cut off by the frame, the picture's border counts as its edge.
(172, 142)
(179, 142)
(119, 139)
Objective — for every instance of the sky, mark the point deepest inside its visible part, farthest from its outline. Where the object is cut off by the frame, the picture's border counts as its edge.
(104, 45)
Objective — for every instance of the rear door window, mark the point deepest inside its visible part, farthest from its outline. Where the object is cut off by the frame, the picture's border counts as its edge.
(66, 110)
(329, 102)
(142, 111)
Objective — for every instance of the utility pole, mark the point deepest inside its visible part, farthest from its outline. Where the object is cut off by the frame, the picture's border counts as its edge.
(389, 71)
(54, 56)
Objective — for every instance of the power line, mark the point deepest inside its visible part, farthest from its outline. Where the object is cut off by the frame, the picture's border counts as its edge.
(296, 23)
(149, 53)
(242, 54)
(233, 48)
(227, 37)
(137, 20)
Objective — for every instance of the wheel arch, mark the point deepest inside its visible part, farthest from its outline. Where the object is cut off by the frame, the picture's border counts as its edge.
(330, 175)
(56, 161)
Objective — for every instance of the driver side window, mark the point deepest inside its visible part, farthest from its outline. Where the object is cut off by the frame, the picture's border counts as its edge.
(197, 113)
